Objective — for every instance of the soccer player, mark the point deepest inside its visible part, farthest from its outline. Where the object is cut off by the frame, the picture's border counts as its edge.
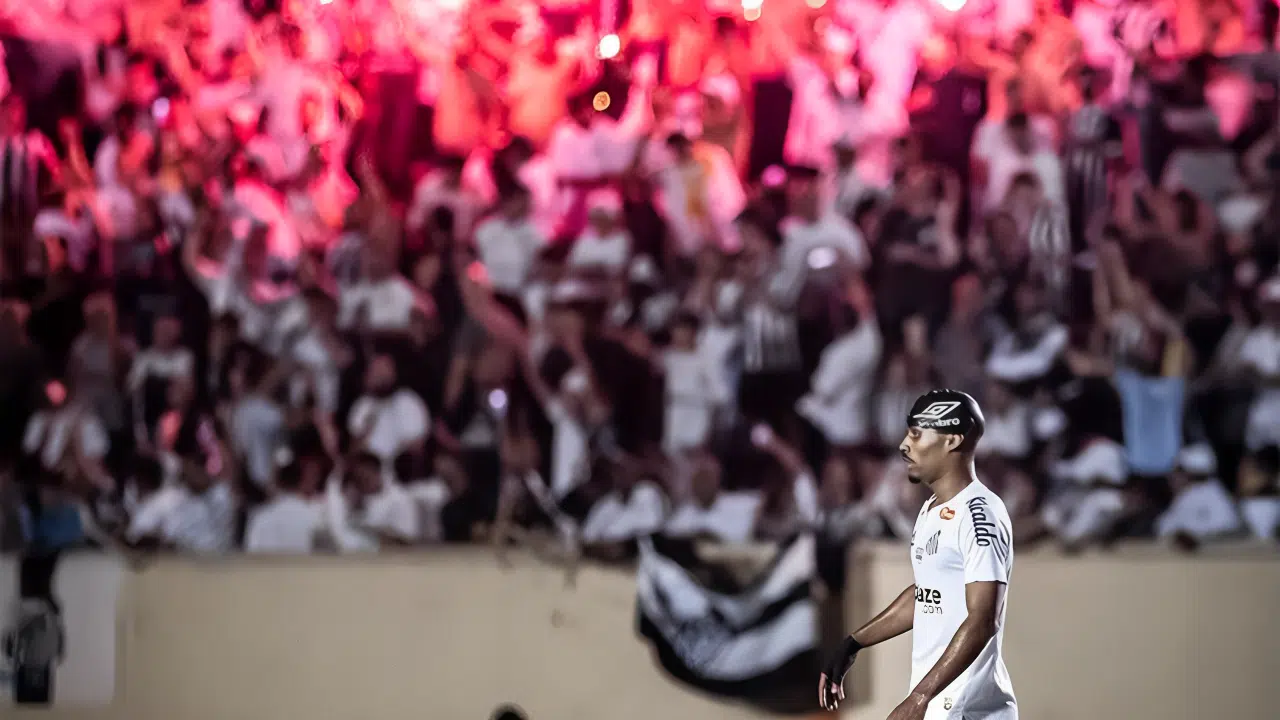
(962, 555)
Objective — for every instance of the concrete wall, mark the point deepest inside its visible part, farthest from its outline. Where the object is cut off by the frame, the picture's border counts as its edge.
(1135, 635)
(449, 635)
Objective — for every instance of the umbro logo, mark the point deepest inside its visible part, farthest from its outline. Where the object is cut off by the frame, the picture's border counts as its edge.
(935, 416)
(937, 410)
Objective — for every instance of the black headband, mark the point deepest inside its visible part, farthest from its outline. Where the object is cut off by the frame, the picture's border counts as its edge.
(948, 411)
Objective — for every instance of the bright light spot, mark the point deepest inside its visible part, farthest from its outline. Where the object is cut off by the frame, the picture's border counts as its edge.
(448, 5)
(56, 392)
(325, 2)
(750, 4)
(773, 176)
(952, 5)
(498, 400)
(751, 14)
(823, 257)
(839, 41)
(815, 4)
(601, 101)
(608, 47)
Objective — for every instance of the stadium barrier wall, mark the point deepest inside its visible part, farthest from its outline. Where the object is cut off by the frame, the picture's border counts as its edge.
(449, 635)
(1135, 634)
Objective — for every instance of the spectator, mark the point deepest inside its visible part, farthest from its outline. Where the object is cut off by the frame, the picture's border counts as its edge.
(509, 242)
(251, 415)
(203, 518)
(633, 508)
(1018, 153)
(605, 244)
(1258, 356)
(1088, 499)
(1260, 486)
(694, 390)
(1026, 355)
(1202, 510)
(790, 502)
(367, 510)
(772, 366)
(966, 337)
(382, 301)
(155, 367)
(292, 521)
(711, 513)
(68, 434)
(441, 498)
(839, 401)
(388, 419)
(1006, 450)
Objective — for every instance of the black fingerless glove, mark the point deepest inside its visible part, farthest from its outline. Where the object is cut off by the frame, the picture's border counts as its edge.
(840, 662)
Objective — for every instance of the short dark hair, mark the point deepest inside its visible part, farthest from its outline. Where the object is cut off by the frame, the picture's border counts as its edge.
(450, 162)
(677, 140)
(364, 458)
(1267, 459)
(1024, 179)
(865, 207)
(289, 476)
(686, 319)
(516, 191)
(800, 172)
(509, 712)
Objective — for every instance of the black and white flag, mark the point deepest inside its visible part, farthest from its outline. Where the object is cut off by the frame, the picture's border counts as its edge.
(757, 644)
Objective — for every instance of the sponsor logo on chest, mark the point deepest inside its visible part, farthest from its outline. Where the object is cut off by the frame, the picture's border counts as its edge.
(929, 601)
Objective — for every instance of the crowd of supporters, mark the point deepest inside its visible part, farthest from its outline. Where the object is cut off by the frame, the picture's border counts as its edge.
(293, 277)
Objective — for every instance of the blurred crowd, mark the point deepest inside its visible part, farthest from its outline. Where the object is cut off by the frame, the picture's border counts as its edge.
(287, 277)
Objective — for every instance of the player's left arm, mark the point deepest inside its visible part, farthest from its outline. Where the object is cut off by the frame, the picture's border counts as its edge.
(986, 542)
(983, 601)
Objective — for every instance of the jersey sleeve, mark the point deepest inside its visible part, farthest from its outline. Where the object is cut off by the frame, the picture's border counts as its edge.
(986, 542)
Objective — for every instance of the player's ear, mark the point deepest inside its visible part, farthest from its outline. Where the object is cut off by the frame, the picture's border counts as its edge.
(952, 441)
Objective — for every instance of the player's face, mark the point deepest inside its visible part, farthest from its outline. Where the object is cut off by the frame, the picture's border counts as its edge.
(926, 452)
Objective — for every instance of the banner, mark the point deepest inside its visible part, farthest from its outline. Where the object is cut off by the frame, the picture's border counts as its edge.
(756, 643)
(68, 646)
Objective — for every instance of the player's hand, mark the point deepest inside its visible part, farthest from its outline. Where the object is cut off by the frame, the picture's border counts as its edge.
(830, 692)
(831, 681)
(912, 708)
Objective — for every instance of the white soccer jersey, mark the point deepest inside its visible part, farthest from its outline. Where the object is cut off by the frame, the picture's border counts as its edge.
(967, 539)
